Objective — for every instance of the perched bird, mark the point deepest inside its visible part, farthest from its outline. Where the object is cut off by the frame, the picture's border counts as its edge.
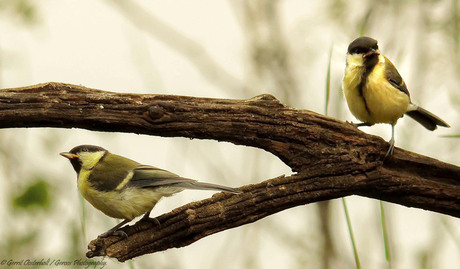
(124, 189)
(375, 91)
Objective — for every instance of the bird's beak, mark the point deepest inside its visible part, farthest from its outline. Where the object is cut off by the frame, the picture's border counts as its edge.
(370, 53)
(69, 155)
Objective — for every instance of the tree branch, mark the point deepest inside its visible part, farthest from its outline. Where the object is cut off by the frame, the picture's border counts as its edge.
(332, 159)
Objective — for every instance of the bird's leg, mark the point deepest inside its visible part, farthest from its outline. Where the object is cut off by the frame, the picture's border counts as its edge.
(361, 124)
(147, 217)
(392, 143)
(115, 231)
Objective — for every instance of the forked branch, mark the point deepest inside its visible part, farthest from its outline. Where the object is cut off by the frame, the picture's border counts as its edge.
(331, 158)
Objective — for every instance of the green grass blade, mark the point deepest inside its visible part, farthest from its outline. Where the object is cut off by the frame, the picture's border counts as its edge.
(328, 82)
(450, 136)
(344, 203)
(83, 217)
(350, 232)
(386, 241)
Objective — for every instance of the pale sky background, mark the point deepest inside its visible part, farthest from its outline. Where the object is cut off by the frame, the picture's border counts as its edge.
(92, 43)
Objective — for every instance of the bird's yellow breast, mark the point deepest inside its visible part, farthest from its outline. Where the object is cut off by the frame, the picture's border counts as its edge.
(126, 203)
(350, 85)
(380, 101)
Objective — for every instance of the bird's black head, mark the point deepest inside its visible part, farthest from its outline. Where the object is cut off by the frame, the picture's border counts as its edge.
(86, 148)
(75, 155)
(363, 45)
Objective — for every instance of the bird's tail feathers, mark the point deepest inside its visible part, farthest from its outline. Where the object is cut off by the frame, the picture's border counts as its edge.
(205, 186)
(426, 118)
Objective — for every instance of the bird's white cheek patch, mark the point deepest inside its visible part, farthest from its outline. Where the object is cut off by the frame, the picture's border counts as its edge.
(90, 159)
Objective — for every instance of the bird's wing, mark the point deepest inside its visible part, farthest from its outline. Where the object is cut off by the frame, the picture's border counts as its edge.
(149, 176)
(111, 172)
(146, 176)
(394, 77)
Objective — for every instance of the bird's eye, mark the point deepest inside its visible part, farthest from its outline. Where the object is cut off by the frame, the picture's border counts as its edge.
(84, 149)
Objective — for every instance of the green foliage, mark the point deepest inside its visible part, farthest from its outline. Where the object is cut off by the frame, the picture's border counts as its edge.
(25, 10)
(15, 243)
(34, 196)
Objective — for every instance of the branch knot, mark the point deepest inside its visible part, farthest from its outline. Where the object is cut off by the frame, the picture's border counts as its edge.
(156, 112)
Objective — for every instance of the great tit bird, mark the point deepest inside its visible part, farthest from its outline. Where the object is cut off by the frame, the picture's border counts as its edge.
(124, 189)
(375, 91)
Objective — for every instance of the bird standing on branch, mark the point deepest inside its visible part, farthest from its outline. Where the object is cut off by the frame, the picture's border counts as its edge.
(376, 93)
(124, 189)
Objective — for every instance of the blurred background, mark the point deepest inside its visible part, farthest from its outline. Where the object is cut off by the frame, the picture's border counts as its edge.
(225, 49)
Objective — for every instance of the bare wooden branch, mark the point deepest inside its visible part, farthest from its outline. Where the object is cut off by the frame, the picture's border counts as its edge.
(332, 158)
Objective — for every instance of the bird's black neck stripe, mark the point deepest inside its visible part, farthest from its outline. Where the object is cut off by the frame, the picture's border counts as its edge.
(369, 64)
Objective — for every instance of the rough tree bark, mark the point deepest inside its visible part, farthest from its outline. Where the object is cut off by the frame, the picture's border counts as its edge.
(331, 158)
